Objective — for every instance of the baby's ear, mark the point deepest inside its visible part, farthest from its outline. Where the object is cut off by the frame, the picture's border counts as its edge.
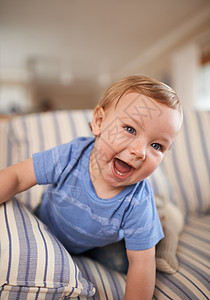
(98, 117)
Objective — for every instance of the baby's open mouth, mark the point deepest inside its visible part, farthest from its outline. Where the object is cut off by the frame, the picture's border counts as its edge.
(121, 167)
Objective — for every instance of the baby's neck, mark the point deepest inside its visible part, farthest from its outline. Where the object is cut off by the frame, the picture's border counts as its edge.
(105, 193)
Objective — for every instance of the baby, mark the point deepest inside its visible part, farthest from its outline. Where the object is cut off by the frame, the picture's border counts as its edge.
(98, 193)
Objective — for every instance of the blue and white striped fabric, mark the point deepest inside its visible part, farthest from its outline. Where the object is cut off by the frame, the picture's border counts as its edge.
(161, 185)
(33, 264)
(110, 285)
(191, 282)
(187, 165)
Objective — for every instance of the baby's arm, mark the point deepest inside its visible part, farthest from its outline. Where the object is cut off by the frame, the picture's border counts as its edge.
(141, 275)
(16, 178)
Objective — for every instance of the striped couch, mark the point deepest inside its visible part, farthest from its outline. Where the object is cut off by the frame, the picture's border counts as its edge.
(33, 263)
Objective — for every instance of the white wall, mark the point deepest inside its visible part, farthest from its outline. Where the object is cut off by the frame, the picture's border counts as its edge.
(184, 73)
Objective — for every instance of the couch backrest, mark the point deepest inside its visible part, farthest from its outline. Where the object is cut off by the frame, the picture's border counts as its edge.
(183, 178)
(187, 165)
(36, 132)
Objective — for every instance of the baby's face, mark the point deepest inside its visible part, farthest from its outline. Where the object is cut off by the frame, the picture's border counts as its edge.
(131, 140)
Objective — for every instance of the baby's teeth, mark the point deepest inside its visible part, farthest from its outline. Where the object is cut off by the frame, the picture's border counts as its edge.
(119, 173)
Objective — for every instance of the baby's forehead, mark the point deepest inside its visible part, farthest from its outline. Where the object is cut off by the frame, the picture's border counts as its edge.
(138, 104)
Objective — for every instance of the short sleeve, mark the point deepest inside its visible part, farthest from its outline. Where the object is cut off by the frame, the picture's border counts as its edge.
(142, 227)
(49, 164)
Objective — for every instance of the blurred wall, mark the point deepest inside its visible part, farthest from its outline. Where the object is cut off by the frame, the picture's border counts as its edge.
(175, 59)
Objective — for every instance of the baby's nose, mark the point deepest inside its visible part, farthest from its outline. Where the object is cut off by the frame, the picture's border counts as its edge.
(138, 149)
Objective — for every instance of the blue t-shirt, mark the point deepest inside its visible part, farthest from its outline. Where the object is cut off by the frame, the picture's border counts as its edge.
(78, 217)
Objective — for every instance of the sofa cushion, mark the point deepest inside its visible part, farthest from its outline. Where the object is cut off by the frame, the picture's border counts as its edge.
(109, 284)
(32, 261)
(187, 164)
(192, 279)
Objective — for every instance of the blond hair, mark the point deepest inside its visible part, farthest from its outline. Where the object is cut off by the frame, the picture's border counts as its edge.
(146, 86)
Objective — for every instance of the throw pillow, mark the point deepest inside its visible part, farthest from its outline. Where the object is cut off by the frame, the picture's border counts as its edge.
(33, 262)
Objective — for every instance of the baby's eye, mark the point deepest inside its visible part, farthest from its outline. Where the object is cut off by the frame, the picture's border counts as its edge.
(156, 146)
(130, 129)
